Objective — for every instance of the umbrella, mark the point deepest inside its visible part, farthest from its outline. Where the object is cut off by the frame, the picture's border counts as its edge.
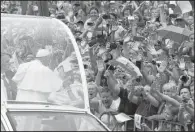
(174, 33)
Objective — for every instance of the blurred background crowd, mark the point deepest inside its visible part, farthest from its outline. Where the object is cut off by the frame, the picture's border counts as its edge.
(138, 56)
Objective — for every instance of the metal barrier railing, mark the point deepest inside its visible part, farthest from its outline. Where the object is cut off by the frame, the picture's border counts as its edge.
(153, 124)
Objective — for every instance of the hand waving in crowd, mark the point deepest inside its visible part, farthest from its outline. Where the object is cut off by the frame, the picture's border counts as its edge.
(139, 56)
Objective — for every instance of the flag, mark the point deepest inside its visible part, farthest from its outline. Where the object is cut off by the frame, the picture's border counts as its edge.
(128, 66)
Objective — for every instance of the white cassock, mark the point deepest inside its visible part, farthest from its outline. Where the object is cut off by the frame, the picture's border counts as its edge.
(35, 82)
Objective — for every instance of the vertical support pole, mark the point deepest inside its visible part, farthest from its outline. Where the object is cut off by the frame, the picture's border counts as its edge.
(24, 7)
(43, 8)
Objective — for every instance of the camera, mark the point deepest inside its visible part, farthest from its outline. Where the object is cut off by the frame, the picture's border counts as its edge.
(119, 42)
(138, 80)
(78, 39)
(185, 100)
(98, 39)
(108, 57)
(184, 78)
(153, 62)
(85, 66)
(106, 16)
(173, 15)
(113, 45)
(110, 67)
(90, 24)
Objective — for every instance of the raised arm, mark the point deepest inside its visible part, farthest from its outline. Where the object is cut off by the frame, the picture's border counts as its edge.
(112, 82)
(152, 100)
(156, 117)
(94, 104)
(100, 66)
(93, 60)
(168, 99)
(162, 15)
(134, 99)
(83, 35)
(181, 118)
(98, 78)
(148, 78)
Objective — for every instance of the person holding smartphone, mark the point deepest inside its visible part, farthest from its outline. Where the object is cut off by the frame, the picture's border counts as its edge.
(186, 108)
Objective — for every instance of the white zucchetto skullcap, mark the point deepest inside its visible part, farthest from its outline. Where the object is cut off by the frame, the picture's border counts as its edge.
(43, 53)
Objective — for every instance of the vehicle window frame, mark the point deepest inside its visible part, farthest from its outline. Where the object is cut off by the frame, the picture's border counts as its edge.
(73, 45)
(10, 121)
(53, 112)
(5, 122)
(2, 126)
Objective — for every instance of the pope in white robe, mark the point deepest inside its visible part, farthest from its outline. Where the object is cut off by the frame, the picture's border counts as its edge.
(36, 81)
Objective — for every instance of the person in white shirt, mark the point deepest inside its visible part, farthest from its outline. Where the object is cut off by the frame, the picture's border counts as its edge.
(35, 80)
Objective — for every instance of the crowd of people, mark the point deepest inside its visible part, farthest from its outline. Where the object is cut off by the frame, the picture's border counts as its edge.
(136, 59)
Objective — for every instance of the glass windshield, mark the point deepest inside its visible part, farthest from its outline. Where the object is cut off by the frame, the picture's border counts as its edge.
(52, 121)
(44, 64)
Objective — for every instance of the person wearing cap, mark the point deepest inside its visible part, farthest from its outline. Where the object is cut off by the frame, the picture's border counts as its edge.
(35, 80)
